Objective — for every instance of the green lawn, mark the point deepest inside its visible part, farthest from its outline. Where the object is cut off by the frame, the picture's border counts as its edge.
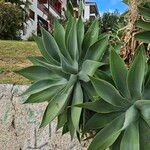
(13, 56)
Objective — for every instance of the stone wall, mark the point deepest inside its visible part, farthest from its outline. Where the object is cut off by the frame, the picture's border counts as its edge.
(19, 124)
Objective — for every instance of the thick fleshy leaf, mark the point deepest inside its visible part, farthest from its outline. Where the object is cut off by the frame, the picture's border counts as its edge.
(131, 115)
(146, 90)
(72, 81)
(136, 75)
(108, 92)
(100, 106)
(90, 37)
(107, 135)
(145, 12)
(130, 140)
(144, 107)
(69, 68)
(116, 144)
(143, 24)
(76, 111)
(45, 95)
(55, 107)
(50, 45)
(143, 36)
(34, 59)
(71, 126)
(104, 76)
(59, 35)
(36, 73)
(80, 34)
(119, 73)
(43, 85)
(62, 119)
(88, 69)
(72, 42)
(43, 51)
(68, 28)
(144, 135)
(56, 69)
(97, 50)
(98, 121)
(88, 87)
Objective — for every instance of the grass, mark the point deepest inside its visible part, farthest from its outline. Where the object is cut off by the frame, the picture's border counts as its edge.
(13, 56)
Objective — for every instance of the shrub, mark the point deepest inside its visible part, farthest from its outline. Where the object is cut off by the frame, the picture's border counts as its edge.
(11, 21)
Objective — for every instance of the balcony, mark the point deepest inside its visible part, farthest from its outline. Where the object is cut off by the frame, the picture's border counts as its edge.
(54, 4)
(93, 10)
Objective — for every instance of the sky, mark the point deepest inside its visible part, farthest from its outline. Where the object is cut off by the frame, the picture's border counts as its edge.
(110, 5)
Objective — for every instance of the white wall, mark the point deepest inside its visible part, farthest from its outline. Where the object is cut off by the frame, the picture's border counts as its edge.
(87, 12)
(31, 26)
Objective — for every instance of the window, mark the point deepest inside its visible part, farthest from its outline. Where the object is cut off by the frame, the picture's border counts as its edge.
(31, 14)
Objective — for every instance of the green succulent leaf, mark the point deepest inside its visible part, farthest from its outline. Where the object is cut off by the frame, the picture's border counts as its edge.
(90, 37)
(144, 135)
(145, 12)
(116, 144)
(69, 68)
(88, 69)
(80, 34)
(35, 73)
(136, 75)
(56, 69)
(144, 25)
(43, 85)
(109, 93)
(59, 31)
(143, 36)
(72, 41)
(131, 115)
(119, 73)
(55, 107)
(104, 76)
(62, 119)
(96, 51)
(88, 87)
(98, 121)
(144, 107)
(45, 95)
(100, 106)
(107, 135)
(50, 45)
(76, 111)
(41, 47)
(130, 140)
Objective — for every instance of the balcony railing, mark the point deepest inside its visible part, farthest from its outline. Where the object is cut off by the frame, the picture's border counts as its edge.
(54, 4)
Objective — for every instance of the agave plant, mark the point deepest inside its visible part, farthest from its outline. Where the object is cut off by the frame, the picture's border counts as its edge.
(61, 75)
(122, 121)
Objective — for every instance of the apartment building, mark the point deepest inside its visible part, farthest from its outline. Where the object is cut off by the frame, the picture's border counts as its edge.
(90, 9)
(43, 12)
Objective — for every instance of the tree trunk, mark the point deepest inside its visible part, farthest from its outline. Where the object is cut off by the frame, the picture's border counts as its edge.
(130, 44)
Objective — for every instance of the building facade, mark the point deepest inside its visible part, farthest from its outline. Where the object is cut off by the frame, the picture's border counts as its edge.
(43, 13)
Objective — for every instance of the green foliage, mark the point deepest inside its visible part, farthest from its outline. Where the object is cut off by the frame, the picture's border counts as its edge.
(61, 75)
(112, 21)
(11, 21)
(144, 24)
(125, 113)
